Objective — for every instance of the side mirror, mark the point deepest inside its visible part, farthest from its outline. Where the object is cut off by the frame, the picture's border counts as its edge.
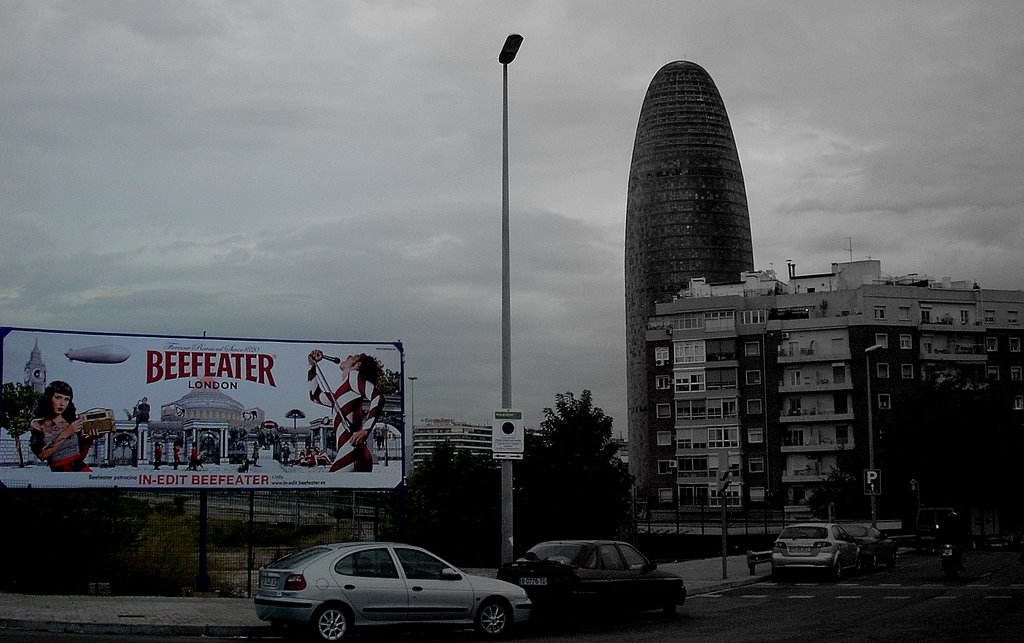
(450, 574)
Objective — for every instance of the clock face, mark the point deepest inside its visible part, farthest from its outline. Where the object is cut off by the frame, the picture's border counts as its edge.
(38, 375)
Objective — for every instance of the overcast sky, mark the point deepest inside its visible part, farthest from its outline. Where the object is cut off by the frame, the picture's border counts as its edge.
(332, 170)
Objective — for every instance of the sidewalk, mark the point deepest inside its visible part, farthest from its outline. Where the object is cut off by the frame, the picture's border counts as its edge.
(224, 617)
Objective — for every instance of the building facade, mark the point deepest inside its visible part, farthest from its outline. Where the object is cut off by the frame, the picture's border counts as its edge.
(769, 380)
(430, 432)
(686, 217)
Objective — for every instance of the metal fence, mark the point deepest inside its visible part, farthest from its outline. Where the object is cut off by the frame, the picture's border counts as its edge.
(164, 543)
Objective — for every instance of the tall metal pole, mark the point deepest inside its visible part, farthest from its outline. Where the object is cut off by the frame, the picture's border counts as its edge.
(507, 55)
(871, 431)
(410, 424)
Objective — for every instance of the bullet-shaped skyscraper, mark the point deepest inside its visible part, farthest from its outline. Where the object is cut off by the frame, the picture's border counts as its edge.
(686, 217)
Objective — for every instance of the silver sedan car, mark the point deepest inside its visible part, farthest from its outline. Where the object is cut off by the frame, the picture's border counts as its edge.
(815, 545)
(330, 589)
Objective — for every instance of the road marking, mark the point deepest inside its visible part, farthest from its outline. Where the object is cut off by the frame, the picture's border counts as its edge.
(944, 598)
(801, 596)
(895, 598)
(755, 596)
(1000, 596)
(890, 584)
(848, 597)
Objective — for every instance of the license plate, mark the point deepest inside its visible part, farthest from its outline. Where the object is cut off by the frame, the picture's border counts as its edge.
(947, 552)
(799, 550)
(268, 581)
(533, 580)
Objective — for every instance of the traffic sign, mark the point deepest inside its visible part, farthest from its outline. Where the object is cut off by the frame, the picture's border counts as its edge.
(507, 433)
(872, 482)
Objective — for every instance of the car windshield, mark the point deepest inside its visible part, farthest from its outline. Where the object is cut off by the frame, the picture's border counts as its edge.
(804, 532)
(564, 553)
(297, 558)
(857, 531)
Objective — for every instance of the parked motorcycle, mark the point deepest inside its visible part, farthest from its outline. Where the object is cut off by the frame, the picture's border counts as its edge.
(952, 557)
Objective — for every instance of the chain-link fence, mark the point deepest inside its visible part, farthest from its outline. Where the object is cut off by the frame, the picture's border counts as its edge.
(140, 542)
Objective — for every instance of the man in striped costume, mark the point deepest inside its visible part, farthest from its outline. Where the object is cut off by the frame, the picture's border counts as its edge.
(352, 422)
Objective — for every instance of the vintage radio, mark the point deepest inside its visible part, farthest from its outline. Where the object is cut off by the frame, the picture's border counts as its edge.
(97, 421)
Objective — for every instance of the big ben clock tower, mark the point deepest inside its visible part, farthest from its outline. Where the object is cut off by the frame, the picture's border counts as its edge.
(35, 370)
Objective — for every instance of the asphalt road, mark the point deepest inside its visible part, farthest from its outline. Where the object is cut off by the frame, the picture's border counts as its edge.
(910, 603)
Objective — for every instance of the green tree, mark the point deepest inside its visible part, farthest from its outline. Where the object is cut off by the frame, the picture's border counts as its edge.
(19, 403)
(454, 505)
(571, 484)
(843, 491)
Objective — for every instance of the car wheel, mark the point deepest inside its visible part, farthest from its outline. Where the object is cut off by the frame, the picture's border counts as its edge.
(494, 618)
(330, 623)
(837, 570)
(669, 608)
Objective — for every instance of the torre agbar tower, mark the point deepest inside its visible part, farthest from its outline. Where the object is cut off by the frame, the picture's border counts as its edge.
(686, 217)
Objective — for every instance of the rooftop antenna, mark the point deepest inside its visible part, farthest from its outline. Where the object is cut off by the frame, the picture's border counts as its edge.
(850, 240)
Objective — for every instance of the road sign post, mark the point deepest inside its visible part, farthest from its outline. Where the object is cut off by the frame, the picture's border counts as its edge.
(872, 482)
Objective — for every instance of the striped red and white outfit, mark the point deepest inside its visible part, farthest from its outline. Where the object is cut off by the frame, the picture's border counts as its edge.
(349, 416)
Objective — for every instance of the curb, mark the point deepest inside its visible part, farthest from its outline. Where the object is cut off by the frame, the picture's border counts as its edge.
(731, 584)
(215, 631)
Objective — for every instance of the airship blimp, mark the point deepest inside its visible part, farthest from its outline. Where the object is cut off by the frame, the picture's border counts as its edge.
(105, 354)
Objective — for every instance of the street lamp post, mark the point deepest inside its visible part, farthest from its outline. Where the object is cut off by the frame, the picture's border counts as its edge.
(410, 425)
(871, 429)
(507, 55)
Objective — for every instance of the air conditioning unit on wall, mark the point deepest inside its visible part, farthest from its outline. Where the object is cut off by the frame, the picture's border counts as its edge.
(785, 334)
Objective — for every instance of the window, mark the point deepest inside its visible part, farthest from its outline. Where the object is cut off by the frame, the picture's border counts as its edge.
(664, 438)
(723, 437)
(1015, 373)
(990, 316)
(721, 408)
(1018, 403)
(1014, 344)
(420, 565)
(754, 407)
(732, 496)
(752, 349)
(842, 434)
(907, 371)
(993, 373)
(757, 494)
(1012, 317)
(839, 373)
(691, 409)
(664, 410)
(665, 495)
(755, 435)
(692, 439)
(882, 370)
(752, 317)
(965, 317)
(904, 313)
(689, 352)
(662, 382)
(661, 355)
(756, 465)
(926, 315)
(694, 466)
(753, 377)
(690, 381)
(665, 467)
(906, 342)
(689, 321)
(720, 378)
(371, 563)
(883, 401)
(719, 350)
(882, 339)
(879, 312)
(693, 494)
(991, 344)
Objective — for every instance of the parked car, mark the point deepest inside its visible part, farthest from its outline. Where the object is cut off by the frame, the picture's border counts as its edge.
(875, 547)
(569, 574)
(815, 545)
(330, 589)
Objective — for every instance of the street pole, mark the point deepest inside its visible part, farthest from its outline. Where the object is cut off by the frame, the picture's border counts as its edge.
(723, 485)
(507, 55)
(871, 430)
(410, 425)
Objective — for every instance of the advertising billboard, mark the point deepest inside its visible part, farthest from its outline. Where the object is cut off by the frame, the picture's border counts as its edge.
(85, 409)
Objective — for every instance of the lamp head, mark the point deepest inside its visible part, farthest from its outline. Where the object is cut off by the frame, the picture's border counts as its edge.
(511, 48)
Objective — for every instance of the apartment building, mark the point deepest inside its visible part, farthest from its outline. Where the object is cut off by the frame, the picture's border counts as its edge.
(430, 432)
(769, 380)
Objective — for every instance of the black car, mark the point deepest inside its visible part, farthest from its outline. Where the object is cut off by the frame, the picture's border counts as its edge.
(572, 574)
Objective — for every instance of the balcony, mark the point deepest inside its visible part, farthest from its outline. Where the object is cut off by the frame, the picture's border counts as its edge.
(814, 415)
(958, 353)
(816, 445)
(810, 474)
(811, 354)
(817, 386)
